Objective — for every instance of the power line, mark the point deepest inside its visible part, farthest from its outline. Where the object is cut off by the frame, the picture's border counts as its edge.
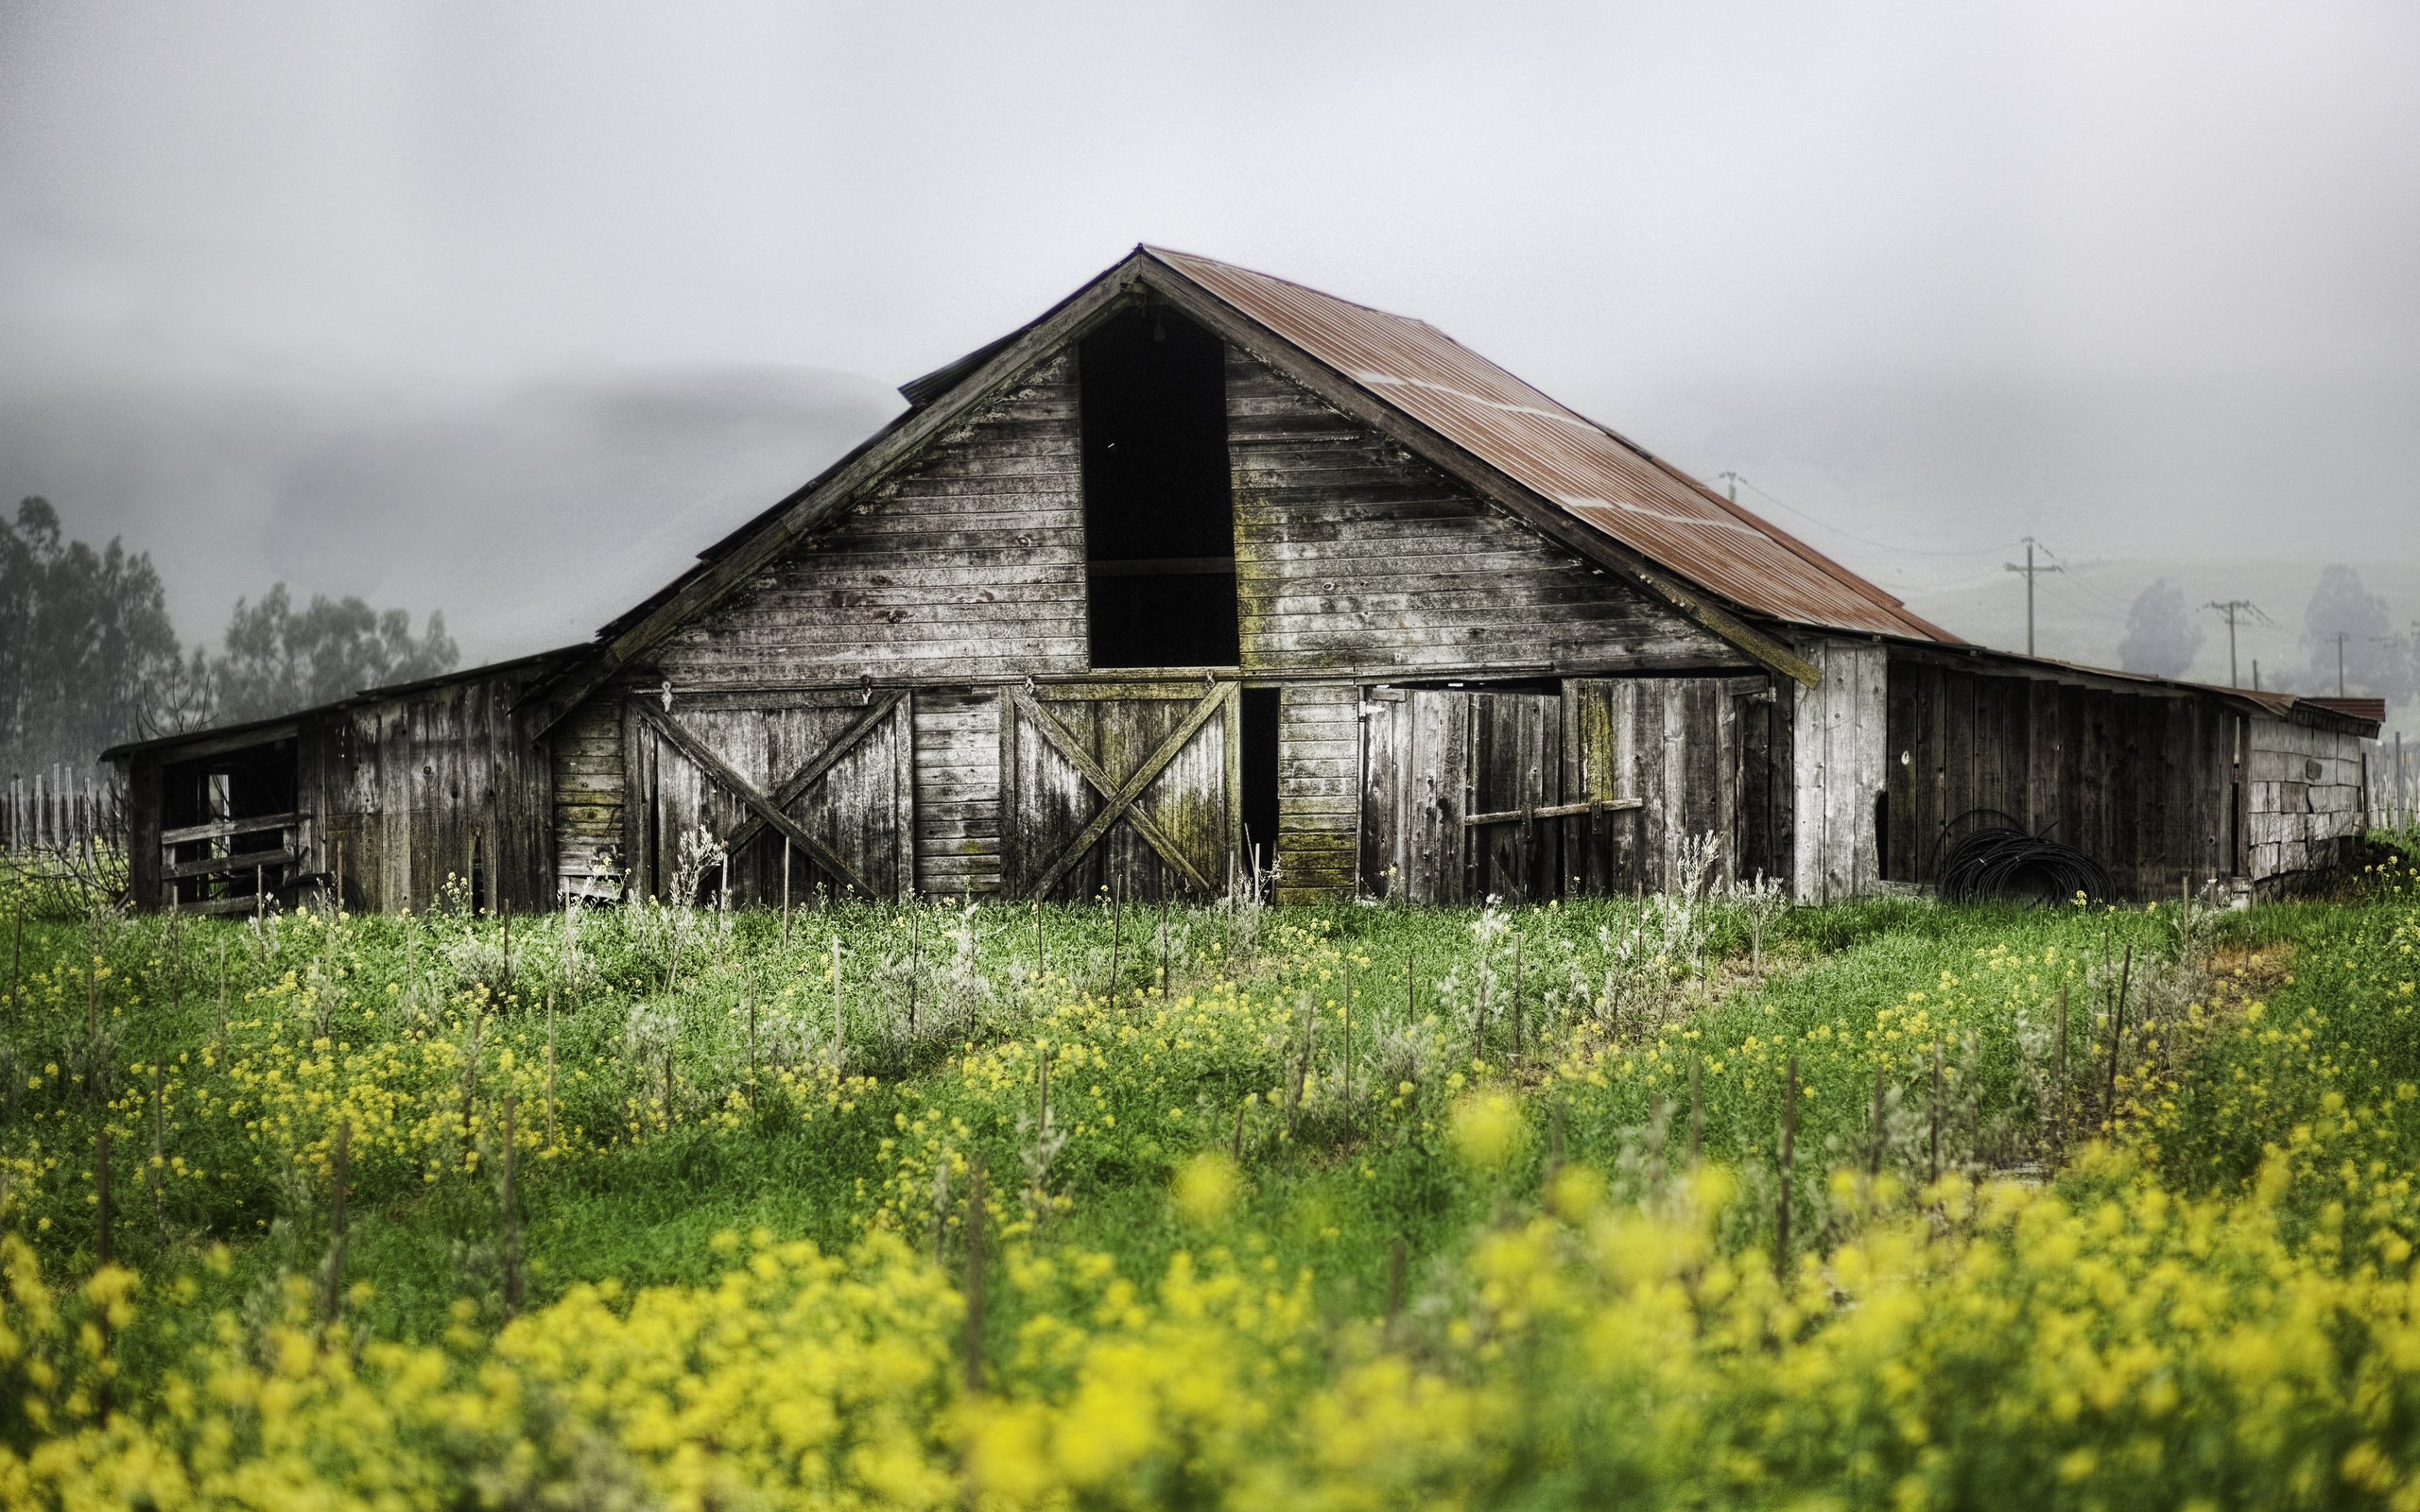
(2231, 609)
(1862, 540)
(2032, 573)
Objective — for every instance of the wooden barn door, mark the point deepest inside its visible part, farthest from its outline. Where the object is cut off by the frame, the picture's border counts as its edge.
(1459, 790)
(1692, 757)
(833, 774)
(1129, 786)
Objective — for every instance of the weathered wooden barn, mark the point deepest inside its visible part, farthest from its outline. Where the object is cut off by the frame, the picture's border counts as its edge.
(1203, 568)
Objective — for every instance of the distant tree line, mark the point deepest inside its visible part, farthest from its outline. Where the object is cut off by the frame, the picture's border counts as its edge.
(2162, 637)
(89, 658)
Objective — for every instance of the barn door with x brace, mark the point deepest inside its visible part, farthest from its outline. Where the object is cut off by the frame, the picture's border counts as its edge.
(830, 773)
(1129, 786)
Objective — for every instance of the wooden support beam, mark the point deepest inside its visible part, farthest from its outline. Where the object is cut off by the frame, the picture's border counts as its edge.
(222, 829)
(238, 863)
(1554, 811)
(808, 774)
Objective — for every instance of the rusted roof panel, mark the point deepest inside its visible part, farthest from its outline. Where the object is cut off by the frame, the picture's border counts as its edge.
(1655, 509)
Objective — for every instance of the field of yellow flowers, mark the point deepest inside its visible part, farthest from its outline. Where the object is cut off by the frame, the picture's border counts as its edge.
(1663, 1201)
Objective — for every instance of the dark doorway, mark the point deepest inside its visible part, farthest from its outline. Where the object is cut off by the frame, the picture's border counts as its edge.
(1259, 775)
(1883, 835)
(236, 813)
(1159, 506)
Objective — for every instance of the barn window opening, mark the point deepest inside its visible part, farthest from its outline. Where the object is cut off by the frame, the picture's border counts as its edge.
(1159, 503)
(1258, 771)
(229, 825)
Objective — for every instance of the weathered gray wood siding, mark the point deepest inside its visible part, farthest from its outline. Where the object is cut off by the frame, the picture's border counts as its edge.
(1704, 756)
(957, 791)
(2307, 813)
(963, 577)
(1173, 745)
(587, 751)
(1319, 805)
(1837, 745)
(1351, 554)
(1680, 758)
(2142, 782)
(969, 563)
(415, 787)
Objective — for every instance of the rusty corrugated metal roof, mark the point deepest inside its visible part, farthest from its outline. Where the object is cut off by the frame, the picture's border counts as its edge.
(2372, 710)
(1645, 503)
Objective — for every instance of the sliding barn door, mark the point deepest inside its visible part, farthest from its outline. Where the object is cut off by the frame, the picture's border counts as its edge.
(1452, 783)
(1129, 787)
(831, 774)
(1692, 757)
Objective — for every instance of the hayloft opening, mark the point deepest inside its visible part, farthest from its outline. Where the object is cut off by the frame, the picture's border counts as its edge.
(1159, 505)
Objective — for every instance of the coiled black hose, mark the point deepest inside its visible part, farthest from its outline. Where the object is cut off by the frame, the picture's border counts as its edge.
(2004, 862)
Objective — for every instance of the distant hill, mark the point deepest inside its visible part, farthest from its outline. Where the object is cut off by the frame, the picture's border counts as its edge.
(530, 514)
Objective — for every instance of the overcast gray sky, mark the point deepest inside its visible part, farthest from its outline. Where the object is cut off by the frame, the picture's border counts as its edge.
(384, 298)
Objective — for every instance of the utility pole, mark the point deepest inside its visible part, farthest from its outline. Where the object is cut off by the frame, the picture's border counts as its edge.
(1732, 482)
(2030, 572)
(2232, 608)
(2340, 637)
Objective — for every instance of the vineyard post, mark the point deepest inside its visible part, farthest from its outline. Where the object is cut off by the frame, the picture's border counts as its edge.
(160, 1152)
(1554, 1145)
(512, 1292)
(2117, 1033)
(1395, 1284)
(785, 890)
(915, 965)
(1933, 1165)
(974, 1221)
(1479, 1020)
(101, 1196)
(101, 1254)
(340, 1174)
(1516, 994)
(2059, 1082)
(1789, 1154)
(1873, 1156)
(1697, 1109)
(1345, 1031)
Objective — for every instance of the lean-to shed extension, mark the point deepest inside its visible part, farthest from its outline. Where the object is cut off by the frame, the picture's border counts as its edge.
(1202, 571)
(391, 794)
